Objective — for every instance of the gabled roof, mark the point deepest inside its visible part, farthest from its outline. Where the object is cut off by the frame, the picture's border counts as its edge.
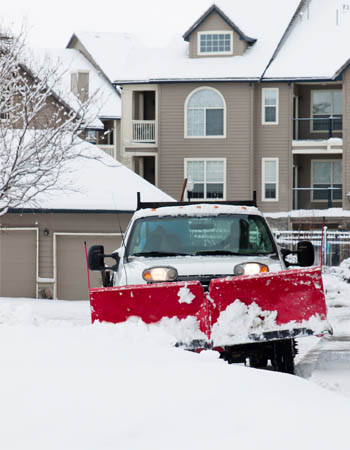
(96, 182)
(317, 45)
(135, 62)
(215, 8)
(107, 103)
(110, 51)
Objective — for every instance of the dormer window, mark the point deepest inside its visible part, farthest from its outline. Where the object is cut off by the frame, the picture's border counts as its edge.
(215, 43)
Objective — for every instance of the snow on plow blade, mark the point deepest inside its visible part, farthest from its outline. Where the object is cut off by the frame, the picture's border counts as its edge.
(235, 310)
(268, 306)
(152, 303)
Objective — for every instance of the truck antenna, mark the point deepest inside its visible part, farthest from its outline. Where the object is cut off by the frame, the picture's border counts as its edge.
(122, 235)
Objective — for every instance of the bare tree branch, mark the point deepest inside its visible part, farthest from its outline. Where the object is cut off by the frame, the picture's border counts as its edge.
(39, 131)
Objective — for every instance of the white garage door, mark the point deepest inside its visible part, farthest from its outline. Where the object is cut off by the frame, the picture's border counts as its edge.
(18, 264)
(71, 271)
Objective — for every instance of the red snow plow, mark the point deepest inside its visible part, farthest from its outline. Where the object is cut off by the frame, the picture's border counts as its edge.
(249, 314)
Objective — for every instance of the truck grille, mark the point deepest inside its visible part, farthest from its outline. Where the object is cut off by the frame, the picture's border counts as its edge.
(203, 279)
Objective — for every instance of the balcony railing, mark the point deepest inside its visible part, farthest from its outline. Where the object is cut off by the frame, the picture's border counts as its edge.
(144, 131)
(109, 149)
(329, 125)
(327, 194)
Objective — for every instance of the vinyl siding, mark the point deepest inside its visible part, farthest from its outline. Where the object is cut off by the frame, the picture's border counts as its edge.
(236, 147)
(274, 141)
(215, 23)
(69, 223)
(346, 137)
(118, 138)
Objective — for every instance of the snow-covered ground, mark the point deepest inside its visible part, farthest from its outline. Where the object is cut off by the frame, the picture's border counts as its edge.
(70, 385)
(327, 363)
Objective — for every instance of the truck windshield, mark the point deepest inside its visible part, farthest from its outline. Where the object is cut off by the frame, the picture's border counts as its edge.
(224, 234)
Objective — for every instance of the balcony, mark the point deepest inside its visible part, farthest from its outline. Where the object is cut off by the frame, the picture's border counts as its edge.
(109, 149)
(317, 135)
(144, 131)
(317, 197)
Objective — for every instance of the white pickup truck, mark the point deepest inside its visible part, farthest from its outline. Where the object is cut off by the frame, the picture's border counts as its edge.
(208, 251)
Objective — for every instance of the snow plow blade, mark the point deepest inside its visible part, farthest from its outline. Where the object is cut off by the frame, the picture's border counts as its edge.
(152, 303)
(236, 310)
(268, 306)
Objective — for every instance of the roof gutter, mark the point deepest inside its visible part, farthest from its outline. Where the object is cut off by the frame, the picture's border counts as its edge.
(67, 211)
(183, 80)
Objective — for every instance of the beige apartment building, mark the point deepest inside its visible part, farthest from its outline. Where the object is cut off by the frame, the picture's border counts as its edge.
(245, 101)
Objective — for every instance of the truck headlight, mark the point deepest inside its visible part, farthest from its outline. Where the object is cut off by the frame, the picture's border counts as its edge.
(250, 268)
(159, 274)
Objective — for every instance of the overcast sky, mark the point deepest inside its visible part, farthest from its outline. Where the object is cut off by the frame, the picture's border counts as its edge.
(51, 24)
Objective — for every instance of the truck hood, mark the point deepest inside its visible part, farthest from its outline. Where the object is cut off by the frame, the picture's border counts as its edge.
(190, 265)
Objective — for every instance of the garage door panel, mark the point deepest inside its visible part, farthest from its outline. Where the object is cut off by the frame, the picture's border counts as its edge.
(18, 263)
(72, 281)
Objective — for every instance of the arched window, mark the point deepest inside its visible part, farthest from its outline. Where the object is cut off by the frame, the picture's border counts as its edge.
(205, 113)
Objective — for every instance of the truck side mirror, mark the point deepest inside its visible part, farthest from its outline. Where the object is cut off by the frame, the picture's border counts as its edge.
(96, 258)
(306, 253)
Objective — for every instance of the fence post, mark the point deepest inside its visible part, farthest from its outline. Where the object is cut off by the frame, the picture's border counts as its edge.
(325, 245)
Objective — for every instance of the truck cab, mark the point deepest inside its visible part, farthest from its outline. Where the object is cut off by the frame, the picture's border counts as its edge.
(198, 242)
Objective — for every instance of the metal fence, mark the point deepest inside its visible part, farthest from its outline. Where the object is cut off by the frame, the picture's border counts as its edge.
(336, 244)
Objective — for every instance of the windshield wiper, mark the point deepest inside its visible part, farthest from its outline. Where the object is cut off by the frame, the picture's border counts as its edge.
(216, 252)
(151, 254)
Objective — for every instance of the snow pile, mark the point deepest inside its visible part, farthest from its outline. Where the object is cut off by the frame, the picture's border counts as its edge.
(67, 384)
(343, 270)
(337, 290)
(238, 322)
(173, 331)
(182, 331)
(243, 320)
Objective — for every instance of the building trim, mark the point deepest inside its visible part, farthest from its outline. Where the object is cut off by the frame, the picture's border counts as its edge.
(68, 211)
(263, 199)
(223, 136)
(215, 8)
(224, 160)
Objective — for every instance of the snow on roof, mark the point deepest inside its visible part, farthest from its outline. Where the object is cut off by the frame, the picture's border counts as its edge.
(137, 62)
(100, 184)
(317, 46)
(110, 51)
(107, 103)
